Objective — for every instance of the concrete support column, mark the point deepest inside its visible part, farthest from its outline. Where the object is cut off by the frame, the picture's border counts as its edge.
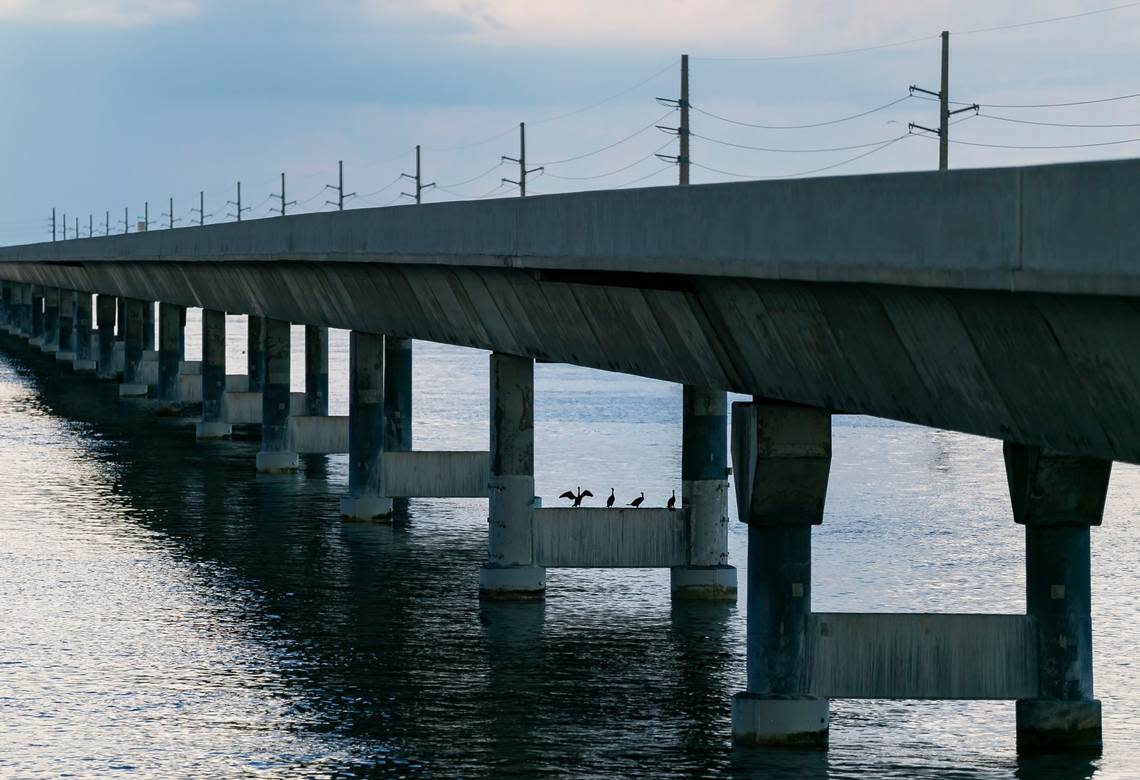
(170, 337)
(84, 353)
(66, 351)
(212, 425)
(148, 326)
(51, 320)
(6, 304)
(781, 456)
(366, 439)
(1057, 498)
(704, 492)
(121, 319)
(316, 371)
(397, 394)
(105, 310)
(510, 572)
(37, 316)
(133, 386)
(275, 455)
(255, 352)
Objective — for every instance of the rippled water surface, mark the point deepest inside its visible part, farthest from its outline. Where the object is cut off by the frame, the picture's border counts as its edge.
(164, 612)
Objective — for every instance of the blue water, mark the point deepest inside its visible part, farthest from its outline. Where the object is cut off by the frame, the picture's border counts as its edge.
(165, 612)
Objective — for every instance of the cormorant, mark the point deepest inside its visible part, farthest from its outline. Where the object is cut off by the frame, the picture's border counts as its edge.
(635, 503)
(672, 503)
(577, 499)
(610, 500)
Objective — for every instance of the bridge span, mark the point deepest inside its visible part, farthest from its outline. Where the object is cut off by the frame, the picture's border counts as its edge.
(1004, 303)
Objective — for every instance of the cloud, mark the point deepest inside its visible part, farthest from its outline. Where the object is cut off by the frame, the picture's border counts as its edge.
(105, 13)
(714, 27)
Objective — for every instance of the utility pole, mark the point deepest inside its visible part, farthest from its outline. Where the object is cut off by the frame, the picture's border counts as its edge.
(340, 195)
(146, 216)
(170, 216)
(201, 210)
(944, 112)
(77, 227)
(53, 224)
(284, 202)
(420, 187)
(521, 160)
(682, 131)
(108, 219)
(65, 226)
(237, 204)
(90, 225)
(126, 220)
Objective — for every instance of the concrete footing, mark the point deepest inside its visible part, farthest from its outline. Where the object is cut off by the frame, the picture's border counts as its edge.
(1051, 726)
(768, 722)
(84, 366)
(212, 430)
(276, 461)
(65, 356)
(703, 583)
(132, 390)
(365, 507)
(512, 583)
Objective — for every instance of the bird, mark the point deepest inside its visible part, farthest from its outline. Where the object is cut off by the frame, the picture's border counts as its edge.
(635, 503)
(577, 499)
(672, 503)
(610, 500)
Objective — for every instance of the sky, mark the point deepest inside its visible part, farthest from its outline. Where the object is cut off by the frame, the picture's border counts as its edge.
(108, 105)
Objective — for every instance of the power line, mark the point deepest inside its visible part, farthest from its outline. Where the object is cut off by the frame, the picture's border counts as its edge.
(619, 142)
(636, 162)
(368, 195)
(647, 176)
(840, 120)
(605, 100)
(791, 151)
(1032, 148)
(921, 39)
(814, 170)
(1061, 105)
(1054, 124)
(487, 172)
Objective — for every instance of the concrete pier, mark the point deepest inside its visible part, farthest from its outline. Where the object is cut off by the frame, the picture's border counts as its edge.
(51, 320)
(66, 351)
(84, 347)
(782, 455)
(37, 338)
(24, 309)
(1057, 498)
(171, 319)
(366, 497)
(148, 326)
(255, 352)
(275, 455)
(133, 385)
(704, 492)
(120, 318)
(510, 571)
(316, 371)
(105, 309)
(212, 424)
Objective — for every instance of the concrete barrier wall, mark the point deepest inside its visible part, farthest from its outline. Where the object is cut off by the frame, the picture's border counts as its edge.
(898, 656)
(441, 474)
(318, 435)
(241, 408)
(610, 538)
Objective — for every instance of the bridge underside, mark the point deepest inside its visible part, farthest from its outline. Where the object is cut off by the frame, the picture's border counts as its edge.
(1060, 371)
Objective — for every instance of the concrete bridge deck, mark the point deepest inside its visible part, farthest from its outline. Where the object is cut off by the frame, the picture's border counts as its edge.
(995, 302)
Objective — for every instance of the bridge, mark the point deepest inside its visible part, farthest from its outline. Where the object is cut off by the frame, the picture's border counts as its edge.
(1003, 303)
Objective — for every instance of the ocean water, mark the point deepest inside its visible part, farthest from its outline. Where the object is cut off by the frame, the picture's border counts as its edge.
(166, 612)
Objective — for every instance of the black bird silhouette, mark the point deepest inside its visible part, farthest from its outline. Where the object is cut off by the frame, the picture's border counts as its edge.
(672, 503)
(635, 503)
(610, 500)
(577, 499)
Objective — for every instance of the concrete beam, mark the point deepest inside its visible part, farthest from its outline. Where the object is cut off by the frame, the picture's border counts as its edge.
(318, 435)
(436, 474)
(921, 656)
(610, 538)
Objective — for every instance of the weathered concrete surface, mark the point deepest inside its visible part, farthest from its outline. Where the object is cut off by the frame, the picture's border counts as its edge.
(610, 538)
(921, 656)
(436, 474)
(244, 408)
(318, 435)
(768, 722)
(902, 296)
(1055, 228)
